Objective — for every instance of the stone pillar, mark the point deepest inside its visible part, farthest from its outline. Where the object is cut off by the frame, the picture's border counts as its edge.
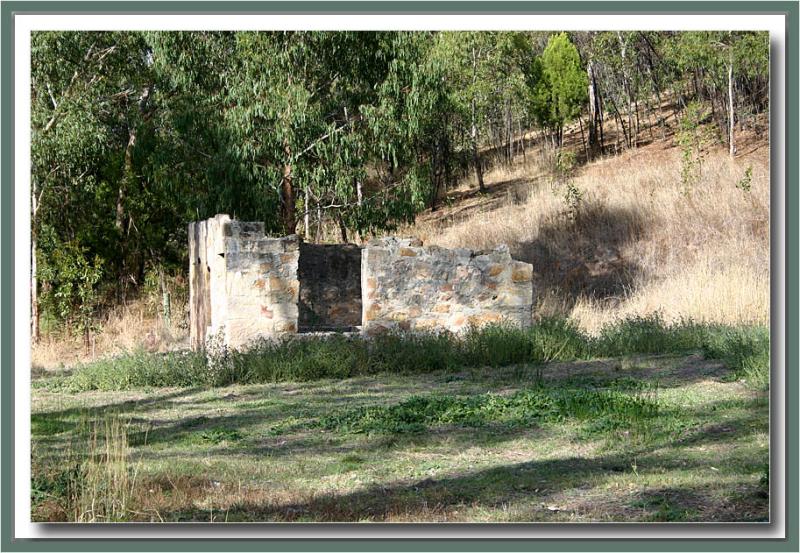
(242, 285)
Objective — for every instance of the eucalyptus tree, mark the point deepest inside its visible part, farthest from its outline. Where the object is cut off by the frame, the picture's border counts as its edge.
(90, 104)
(719, 62)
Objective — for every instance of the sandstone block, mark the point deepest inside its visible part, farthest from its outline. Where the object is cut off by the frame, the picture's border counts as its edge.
(521, 272)
(495, 269)
(372, 312)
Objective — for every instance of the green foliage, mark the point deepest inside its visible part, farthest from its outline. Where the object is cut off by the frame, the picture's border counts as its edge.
(565, 163)
(557, 339)
(746, 181)
(745, 350)
(73, 276)
(560, 88)
(650, 335)
(692, 140)
(213, 436)
(328, 357)
(135, 134)
(139, 369)
(607, 410)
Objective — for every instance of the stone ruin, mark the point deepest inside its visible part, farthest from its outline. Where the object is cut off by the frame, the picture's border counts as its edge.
(245, 286)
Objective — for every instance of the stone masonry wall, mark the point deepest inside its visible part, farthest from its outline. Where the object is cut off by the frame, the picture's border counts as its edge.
(409, 287)
(243, 285)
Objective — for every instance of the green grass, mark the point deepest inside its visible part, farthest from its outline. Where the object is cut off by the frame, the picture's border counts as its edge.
(745, 349)
(637, 438)
(608, 410)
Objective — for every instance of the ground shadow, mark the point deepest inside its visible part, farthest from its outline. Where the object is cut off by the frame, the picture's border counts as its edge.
(582, 253)
(550, 481)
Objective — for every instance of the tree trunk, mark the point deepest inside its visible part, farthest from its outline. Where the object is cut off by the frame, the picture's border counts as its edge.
(476, 158)
(318, 233)
(732, 143)
(127, 175)
(287, 192)
(306, 231)
(509, 131)
(583, 139)
(595, 116)
(628, 89)
(34, 279)
(342, 227)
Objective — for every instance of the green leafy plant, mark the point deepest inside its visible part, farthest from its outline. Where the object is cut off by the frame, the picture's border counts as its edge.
(692, 141)
(744, 184)
(607, 411)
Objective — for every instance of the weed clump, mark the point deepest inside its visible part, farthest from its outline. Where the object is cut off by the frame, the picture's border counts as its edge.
(606, 410)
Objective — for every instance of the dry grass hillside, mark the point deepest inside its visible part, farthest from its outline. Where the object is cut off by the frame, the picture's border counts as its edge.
(636, 242)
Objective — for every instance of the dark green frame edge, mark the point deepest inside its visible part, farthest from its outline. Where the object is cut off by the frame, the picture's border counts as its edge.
(7, 300)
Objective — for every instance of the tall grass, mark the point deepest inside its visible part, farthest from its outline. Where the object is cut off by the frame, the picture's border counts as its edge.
(745, 349)
(92, 479)
(138, 369)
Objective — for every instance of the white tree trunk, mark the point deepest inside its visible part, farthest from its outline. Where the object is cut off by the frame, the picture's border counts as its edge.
(306, 228)
(34, 280)
(731, 141)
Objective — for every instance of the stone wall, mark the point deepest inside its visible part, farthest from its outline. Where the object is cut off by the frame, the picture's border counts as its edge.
(243, 285)
(407, 286)
(330, 287)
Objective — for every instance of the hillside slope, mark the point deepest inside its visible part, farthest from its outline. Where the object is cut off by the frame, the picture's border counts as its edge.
(623, 236)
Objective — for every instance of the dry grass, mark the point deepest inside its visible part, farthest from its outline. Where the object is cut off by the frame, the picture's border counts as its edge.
(638, 243)
(124, 328)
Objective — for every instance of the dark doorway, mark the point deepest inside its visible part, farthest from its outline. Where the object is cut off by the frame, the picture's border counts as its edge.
(330, 287)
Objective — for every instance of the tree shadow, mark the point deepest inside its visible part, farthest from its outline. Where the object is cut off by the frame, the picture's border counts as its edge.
(581, 254)
(549, 481)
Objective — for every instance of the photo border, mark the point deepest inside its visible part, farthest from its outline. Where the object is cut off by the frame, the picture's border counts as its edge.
(229, 543)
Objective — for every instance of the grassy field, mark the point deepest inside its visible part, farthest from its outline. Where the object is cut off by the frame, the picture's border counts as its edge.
(675, 437)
